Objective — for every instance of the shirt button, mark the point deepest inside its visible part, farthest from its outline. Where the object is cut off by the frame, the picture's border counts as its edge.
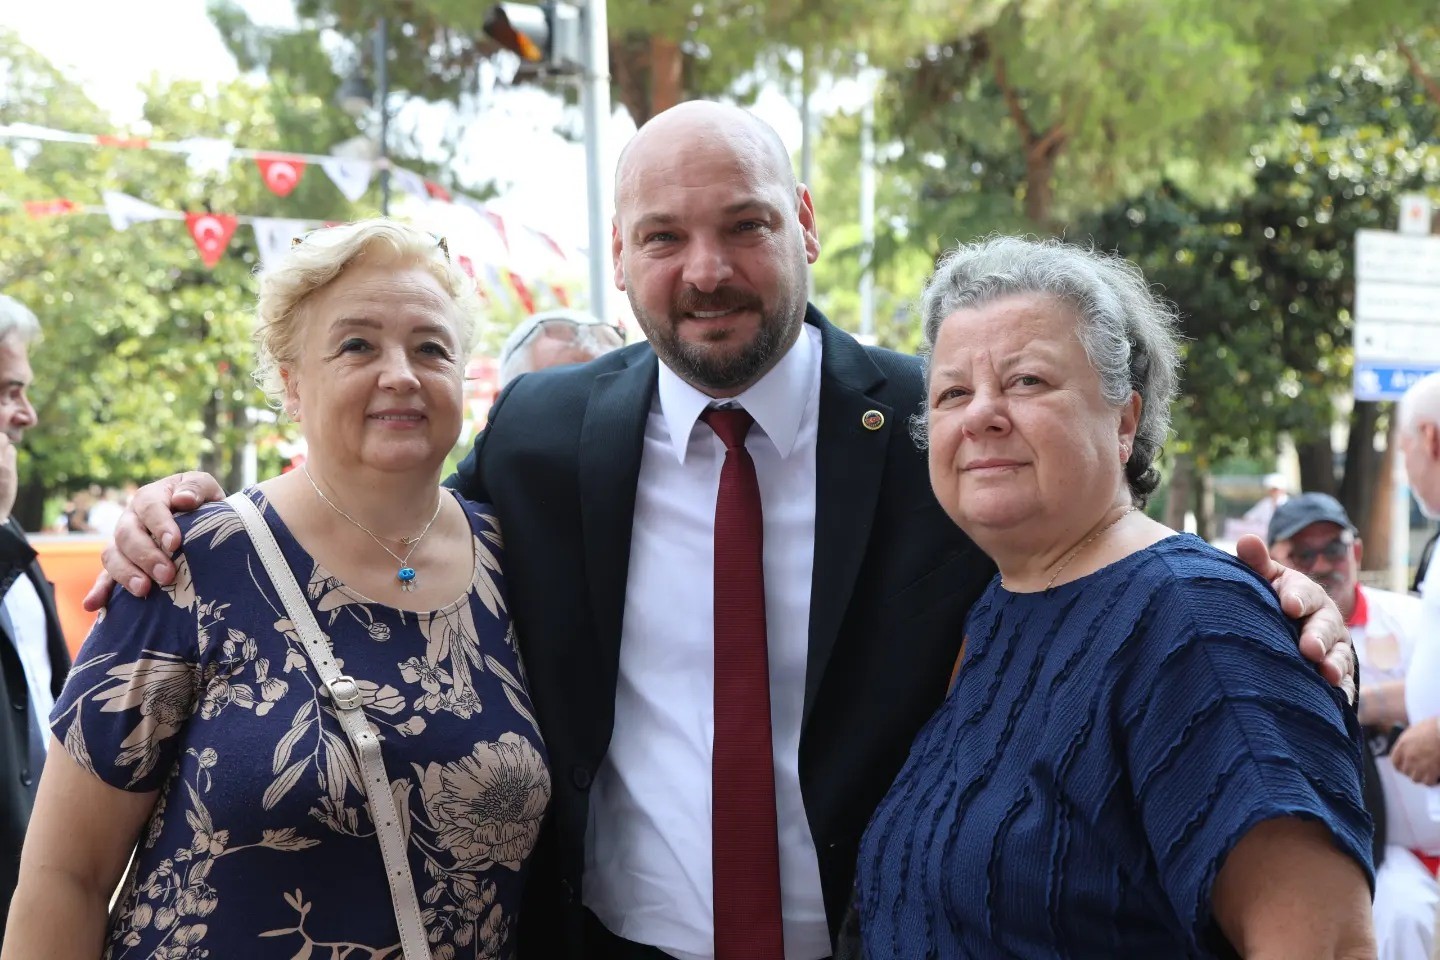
(580, 777)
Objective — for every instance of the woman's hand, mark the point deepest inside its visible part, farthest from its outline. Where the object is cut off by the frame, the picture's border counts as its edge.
(146, 535)
(1324, 638)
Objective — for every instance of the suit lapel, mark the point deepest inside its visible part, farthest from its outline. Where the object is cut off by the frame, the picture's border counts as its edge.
(849, 464)
(612, 439)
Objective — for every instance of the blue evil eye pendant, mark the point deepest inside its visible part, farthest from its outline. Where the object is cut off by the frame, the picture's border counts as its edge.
(406, 576)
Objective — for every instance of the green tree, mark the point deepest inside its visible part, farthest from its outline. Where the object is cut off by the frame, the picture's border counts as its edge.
(1266, 281)
(146, 359)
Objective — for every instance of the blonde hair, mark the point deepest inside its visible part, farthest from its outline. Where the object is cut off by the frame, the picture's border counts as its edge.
(322, 257)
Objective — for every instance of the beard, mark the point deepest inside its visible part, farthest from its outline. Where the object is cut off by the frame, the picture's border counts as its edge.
(708, 364)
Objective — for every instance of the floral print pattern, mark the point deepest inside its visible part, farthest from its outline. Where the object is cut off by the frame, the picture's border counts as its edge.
(261, 843)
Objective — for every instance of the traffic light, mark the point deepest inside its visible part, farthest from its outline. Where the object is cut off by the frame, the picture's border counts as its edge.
(547, 38)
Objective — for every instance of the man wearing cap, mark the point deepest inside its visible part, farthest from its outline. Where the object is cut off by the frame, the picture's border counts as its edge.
(1313, 534)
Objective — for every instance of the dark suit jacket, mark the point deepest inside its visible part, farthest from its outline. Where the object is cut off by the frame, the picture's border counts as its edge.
(17, 559)
(893, 580)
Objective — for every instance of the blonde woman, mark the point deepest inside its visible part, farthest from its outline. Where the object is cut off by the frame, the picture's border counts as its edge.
(195, 725)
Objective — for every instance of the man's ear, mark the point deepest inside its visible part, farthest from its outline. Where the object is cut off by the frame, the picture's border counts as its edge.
(808, 225)
(617, 247)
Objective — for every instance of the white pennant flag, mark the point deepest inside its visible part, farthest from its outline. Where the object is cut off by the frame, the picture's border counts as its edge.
(274, 236)
(208, 155)
(409, 181)
(125, 210)
(351, 177)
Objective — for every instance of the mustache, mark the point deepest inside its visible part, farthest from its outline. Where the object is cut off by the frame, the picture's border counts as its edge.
(721, 298)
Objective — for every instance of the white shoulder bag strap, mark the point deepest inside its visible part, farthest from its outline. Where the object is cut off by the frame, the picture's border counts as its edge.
(345, 695)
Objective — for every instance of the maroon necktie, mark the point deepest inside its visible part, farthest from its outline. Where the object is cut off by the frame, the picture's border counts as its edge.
(744, 836)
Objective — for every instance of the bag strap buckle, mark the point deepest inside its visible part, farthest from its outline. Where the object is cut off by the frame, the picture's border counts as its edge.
(345, 692)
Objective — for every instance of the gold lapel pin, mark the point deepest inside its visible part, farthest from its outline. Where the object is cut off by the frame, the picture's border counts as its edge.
(873, 420)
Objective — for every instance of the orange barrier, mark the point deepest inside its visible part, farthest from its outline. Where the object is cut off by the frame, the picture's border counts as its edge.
(71, 562)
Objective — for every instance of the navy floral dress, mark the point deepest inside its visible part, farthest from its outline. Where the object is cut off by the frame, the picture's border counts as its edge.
(261, 843)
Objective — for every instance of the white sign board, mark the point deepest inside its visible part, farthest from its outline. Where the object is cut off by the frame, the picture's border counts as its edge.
(1415, 213)
(1397, 311)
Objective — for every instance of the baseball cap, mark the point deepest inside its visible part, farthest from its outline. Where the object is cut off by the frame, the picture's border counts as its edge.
(1297, 513)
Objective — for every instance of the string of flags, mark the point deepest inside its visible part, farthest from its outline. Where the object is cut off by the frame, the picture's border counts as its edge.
(281, 173)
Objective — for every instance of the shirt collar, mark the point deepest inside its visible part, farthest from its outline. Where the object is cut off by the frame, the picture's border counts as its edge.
(777, 400)
(1361, 614)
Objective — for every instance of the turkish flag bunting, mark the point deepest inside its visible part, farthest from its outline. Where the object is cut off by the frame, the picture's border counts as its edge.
(282, 173)
(49, 208)
(131, 143)
(438, 192)
(527, 299)
(212, 232)
(561, 297)
(498, 223)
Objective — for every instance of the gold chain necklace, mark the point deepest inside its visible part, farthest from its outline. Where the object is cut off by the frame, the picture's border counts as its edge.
(406, 573)
(1088, 540)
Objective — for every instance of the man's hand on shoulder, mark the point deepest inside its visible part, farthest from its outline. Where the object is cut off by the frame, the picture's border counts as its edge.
(146, 535)
(1324, 638)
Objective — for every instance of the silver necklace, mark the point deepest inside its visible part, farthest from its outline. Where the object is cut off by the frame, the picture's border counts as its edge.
(406, 573)
(1088, 540)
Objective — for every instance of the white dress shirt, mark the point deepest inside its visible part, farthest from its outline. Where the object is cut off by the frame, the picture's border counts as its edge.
(32, 642)
(1385, 645)
(1422, 683)
(648, 842)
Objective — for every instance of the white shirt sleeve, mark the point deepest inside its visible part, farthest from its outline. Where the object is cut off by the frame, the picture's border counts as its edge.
(1422, 680)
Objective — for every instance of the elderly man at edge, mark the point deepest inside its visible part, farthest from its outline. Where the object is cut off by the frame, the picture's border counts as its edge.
(1134, 761)
(1312, 533)
(607, 480)
(33, 655)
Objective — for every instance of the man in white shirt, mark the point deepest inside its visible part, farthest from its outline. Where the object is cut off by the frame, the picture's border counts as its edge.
(1312, 533)
(33, 658)
(1419, 429)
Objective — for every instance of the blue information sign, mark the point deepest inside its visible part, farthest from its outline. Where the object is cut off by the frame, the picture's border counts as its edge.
(1387, 381)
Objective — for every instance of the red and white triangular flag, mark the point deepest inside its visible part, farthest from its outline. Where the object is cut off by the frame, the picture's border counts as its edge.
(212, 233)
(408, 181)
(282, 173)
(351, 177)
(208, 156)
(549, 242)
(125, 211)
(438, 192)
(527, 299)
(50, 208)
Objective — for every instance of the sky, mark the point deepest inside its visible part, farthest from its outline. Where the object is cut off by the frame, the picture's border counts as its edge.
(539, 174)
(120, 46)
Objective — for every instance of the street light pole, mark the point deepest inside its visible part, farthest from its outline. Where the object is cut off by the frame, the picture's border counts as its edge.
(382, 99)
(595, 96)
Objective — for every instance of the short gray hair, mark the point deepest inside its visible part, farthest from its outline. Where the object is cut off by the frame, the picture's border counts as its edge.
(1420, 404)
(1129, 334)
(17, 320)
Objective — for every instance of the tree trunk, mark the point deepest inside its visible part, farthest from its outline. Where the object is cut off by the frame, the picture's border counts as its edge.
(667, 74)
(29, 509)
(649, 74)
(1204, 504)
(210, 457)
(1177, 501)
(1040, 188)
(1317, 466)
(1376, 533)
(1362, 465)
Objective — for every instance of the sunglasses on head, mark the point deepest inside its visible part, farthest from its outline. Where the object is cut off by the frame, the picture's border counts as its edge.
(566, 328)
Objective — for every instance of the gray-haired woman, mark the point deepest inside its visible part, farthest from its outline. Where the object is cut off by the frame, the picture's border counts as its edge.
(1135, 760)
